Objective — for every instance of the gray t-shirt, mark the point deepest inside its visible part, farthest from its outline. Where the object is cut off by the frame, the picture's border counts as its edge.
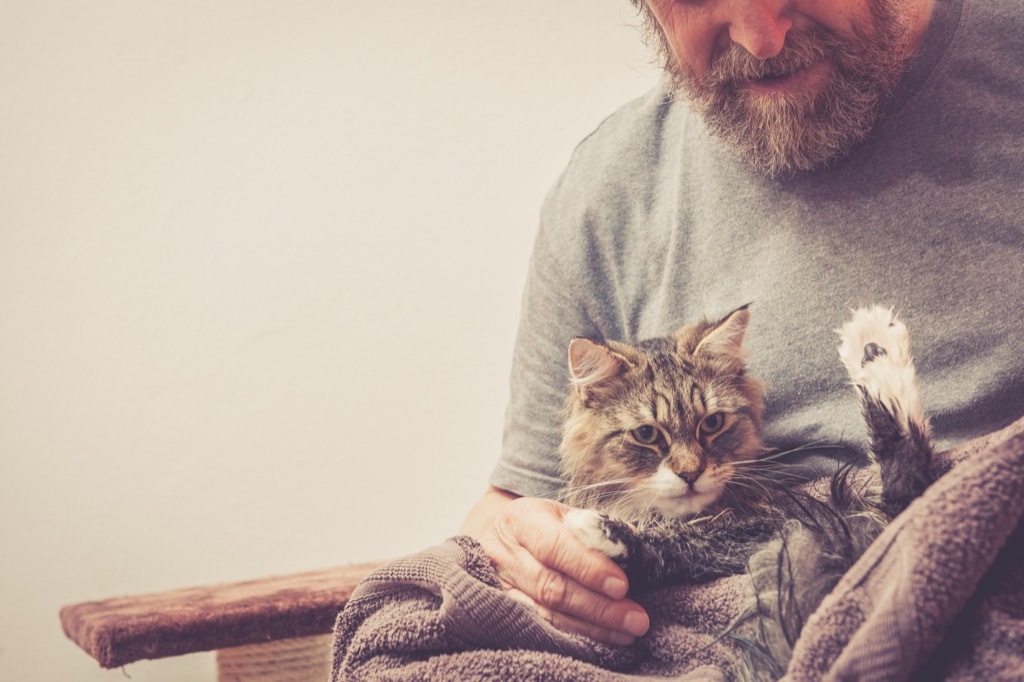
(655, 224)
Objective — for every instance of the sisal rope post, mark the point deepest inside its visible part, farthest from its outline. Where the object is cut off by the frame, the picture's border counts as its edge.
(301, 659)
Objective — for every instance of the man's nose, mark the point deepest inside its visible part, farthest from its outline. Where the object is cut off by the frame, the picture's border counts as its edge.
(760, 26)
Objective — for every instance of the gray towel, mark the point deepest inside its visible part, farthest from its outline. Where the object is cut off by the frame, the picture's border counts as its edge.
(940, 595)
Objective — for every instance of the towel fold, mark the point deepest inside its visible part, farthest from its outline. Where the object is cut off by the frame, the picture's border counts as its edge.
(938, 596)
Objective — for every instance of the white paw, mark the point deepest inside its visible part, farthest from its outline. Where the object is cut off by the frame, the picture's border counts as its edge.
(876, 352)
(589, 527)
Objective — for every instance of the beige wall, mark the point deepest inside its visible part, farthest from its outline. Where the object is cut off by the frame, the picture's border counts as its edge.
(260, 267)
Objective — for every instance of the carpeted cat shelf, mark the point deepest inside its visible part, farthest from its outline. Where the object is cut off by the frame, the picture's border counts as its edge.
(271, 630)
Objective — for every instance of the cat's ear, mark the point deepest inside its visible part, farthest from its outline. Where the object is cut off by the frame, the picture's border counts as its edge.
(725, 338)
(593, 365)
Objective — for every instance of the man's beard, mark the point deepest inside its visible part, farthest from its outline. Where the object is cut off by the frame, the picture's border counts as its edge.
(783, 133)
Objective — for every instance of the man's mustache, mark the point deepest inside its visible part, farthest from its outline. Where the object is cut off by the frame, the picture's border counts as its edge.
(735, 65)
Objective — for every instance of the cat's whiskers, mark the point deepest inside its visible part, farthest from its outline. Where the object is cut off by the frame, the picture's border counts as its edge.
(641, 516)
(814, 445)
(601, 493)
(565, 492)
(635, 504)
(780, 475)
(631, 497)
(750, 483)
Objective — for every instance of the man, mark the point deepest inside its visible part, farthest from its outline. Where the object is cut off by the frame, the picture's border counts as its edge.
(807, 156)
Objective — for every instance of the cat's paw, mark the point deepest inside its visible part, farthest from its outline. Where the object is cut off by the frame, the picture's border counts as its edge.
(597, 531)
(875, 349)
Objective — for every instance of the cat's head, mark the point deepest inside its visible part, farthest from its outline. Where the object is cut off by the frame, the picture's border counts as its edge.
(661, 425)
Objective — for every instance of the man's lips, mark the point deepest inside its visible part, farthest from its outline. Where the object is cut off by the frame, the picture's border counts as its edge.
(802, 77)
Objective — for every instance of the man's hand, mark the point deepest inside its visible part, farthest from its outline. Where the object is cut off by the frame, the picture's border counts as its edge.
(540, 561)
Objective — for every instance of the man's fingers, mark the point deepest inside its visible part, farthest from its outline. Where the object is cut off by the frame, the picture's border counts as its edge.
(538, 556)
(567, 623)
(557, 547)
(574, 608)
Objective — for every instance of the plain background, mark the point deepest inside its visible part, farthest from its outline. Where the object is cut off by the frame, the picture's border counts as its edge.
(260, 271)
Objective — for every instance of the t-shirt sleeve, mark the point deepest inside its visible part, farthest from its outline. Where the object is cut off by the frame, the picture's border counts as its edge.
(576, 285)
(552, 314)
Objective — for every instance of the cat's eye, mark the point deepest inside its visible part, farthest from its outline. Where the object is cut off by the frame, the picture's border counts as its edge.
(712, 424)
(646, 434)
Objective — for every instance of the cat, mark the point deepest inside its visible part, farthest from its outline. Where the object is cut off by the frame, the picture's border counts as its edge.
(667, 473)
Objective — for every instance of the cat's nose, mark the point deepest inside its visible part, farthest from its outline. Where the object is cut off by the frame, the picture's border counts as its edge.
(690, 476)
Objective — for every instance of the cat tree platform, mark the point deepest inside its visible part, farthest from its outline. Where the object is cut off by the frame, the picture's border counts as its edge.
(254, 626)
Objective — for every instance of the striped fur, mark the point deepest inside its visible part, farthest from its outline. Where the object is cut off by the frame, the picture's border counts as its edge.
(662, 445)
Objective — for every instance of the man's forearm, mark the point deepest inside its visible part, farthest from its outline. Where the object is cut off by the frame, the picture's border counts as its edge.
(481, 516)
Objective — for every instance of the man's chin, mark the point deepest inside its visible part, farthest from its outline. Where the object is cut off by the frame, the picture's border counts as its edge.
(782, 129)
(777, 146)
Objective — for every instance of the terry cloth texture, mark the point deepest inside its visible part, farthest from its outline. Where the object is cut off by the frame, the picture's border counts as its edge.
(939, 596)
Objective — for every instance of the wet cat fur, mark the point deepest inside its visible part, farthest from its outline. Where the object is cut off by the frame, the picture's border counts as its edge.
(662, 445)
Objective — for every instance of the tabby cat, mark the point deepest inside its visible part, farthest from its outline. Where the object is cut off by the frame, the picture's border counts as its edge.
(664, 463)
